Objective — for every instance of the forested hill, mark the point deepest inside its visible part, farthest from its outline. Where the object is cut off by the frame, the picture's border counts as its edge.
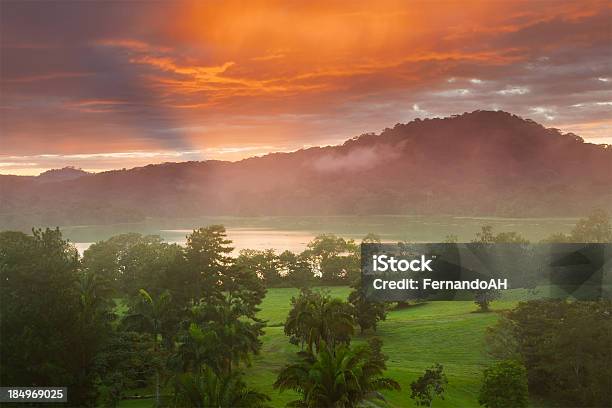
(479, 163)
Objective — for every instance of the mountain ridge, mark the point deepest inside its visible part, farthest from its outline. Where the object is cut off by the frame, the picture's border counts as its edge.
(477, 163)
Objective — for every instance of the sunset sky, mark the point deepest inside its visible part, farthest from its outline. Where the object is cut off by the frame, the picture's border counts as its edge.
(103, 85)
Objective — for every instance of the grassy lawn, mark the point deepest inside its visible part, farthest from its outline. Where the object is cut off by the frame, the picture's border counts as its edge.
(450, 333)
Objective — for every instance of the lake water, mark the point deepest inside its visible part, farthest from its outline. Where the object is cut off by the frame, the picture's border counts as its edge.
(294, 233)
(242, 238)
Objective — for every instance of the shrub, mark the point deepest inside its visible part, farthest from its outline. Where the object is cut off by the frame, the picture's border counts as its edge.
(504, 386)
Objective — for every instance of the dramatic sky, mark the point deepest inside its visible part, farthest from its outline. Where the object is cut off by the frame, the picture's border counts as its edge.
(103, 85)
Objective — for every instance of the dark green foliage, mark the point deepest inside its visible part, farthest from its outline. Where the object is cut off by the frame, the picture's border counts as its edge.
(129, 262)
(331, 373)
(95, 332)
(153, 316)
(128, 361)
(366, 314)
(209, 389)
(315, 319)
(241, 289)
(218, 336)
(195, 305)
(504, 385)
(565, 347)
(263, 264)
(336, 259)
(428, 386)
(297, 269)
(207, 253)
(220, 329)
(53, 320)
(344, 376)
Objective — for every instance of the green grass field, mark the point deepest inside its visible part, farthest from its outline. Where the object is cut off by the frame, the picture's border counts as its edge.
(448, 332)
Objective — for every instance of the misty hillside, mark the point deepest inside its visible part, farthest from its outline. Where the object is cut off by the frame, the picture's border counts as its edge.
(479, 163)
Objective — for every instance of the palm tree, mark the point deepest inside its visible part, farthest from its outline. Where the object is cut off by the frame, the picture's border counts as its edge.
(316, 318)
(218, 337)
(149, 316)
(94, 328)
(336, 323)
(344, 377)
(208, 389)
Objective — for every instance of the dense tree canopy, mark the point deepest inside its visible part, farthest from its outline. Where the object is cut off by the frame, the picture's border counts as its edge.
(53, 322)
(564, 346)
(334, 258)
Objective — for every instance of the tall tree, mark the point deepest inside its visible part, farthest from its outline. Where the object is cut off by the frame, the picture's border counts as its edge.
(94, 332)
(207, 254)
(366, 314)
(219, 336)
(149, 315)
(240, 288)
(222, 328)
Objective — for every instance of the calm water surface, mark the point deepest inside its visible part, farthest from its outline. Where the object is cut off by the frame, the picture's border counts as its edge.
(294, 233)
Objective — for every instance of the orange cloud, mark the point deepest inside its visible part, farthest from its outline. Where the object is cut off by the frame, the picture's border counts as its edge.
(192, 75)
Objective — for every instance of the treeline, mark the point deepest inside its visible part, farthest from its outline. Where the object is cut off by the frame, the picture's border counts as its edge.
(128, 262)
